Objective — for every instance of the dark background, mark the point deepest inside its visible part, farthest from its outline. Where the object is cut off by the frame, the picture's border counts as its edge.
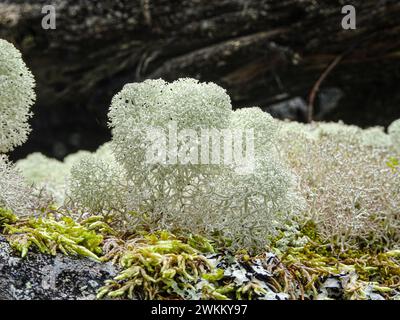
(267, 53)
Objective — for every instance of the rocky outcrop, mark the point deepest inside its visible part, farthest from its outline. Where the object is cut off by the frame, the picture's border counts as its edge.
(43, 277)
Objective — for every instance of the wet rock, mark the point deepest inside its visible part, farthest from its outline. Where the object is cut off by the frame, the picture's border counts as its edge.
(328, 101)
(292, 109)
(43, 277)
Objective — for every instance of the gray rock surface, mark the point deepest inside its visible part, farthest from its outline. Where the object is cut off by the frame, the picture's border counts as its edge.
(43, 277)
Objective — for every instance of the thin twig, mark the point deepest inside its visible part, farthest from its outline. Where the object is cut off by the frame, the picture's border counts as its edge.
(328, 70)
(317, 85)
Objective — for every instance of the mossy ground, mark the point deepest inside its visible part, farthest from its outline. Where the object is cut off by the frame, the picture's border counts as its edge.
(161, 265)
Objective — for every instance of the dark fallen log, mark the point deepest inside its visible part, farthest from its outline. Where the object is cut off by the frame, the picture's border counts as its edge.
(265, 52)
(42, 277)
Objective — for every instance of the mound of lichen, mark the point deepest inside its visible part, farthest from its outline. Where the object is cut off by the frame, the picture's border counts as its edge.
(16, 97)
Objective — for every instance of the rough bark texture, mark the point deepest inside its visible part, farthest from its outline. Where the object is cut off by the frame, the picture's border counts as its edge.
(263, 51)
(42, 277)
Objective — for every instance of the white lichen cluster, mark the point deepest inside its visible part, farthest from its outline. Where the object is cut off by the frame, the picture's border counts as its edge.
(338, 131)
(200, 197)
(265, 127)
(376, 137)
(15, 194)
(352, 190)
(157, 104)
(16, 97)
(54, 176)
(156, 189)
(98, 183)
(46, 174)
(394, 133)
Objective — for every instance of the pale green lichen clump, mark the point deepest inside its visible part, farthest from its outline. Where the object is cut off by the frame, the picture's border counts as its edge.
(194, 196)
(15, 194)
(98, 182)
(394, 133)
(16, 97)
(350, 180)
(45, 173)
(54, 176)
(157, 104)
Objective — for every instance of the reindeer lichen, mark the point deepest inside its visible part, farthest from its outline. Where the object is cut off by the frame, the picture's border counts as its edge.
(394, 133)
(16, 97)
(201, 198)
(15, 193)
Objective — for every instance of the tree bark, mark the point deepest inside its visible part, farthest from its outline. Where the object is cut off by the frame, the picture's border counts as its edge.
(264, 52)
